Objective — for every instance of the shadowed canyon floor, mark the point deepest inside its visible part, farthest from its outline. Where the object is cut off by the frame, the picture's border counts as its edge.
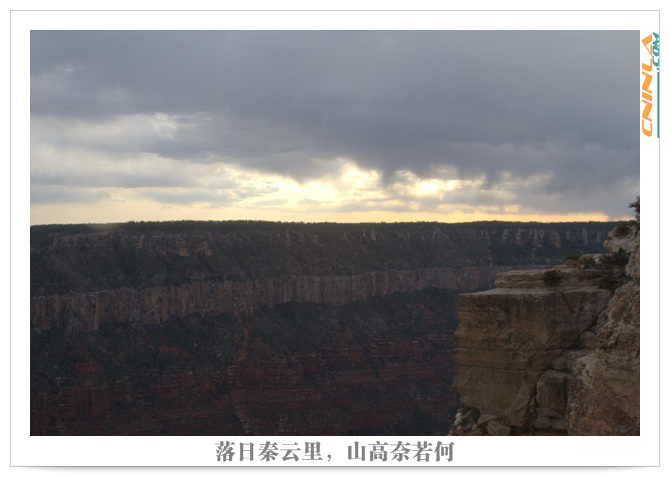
(376, 367)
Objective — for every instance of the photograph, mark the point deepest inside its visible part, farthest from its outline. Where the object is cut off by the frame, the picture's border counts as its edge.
(320, 244)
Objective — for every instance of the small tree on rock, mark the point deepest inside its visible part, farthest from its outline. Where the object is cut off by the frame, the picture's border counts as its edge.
(636, 206)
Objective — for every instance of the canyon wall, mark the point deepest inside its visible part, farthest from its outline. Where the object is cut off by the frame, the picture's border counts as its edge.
(554, 352)
(85, 311)
(262, 329)
(137, 274)
(374, 367)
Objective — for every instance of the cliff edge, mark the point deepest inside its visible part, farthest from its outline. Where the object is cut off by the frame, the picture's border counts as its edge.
(554, 352)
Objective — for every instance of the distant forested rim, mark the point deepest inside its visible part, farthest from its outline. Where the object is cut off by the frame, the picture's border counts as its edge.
(228, 225)
(40, 233)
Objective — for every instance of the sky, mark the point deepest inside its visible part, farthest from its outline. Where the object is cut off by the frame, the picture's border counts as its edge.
(338, 126)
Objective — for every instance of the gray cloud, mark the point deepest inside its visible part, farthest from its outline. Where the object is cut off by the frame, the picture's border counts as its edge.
(494, 105)
(58, 195)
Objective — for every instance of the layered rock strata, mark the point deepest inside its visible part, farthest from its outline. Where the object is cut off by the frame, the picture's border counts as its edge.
(134, 273)
(81, 259)
(262, 329)
(86, 311)
(553, 353)
(379, 367)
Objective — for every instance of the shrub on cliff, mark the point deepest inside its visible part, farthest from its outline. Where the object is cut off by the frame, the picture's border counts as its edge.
(610, 282)
(588, 262)
(617, 259)
(552, 278)
(621, 230)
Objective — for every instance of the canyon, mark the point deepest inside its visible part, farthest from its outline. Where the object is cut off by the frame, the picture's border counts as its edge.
(211, 328)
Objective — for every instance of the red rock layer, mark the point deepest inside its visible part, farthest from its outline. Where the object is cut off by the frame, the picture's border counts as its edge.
(364, 376)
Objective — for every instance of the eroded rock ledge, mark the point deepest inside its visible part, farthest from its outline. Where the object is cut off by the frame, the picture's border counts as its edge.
(554, 352)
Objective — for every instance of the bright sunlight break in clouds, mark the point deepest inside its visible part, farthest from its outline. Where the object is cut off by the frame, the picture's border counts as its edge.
(344, 126)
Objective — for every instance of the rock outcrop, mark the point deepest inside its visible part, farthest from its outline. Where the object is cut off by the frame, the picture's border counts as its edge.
(554, 352)
(604, 399)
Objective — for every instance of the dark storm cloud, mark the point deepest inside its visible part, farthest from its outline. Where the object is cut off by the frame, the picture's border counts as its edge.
(491, 104)
(107, 178)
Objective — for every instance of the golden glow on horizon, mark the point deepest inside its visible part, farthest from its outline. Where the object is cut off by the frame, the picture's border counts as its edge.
(118, 210)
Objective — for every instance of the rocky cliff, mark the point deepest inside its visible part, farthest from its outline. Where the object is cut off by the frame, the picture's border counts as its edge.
(262, 329)
(146, 273)
(554, 352)
(86, 311)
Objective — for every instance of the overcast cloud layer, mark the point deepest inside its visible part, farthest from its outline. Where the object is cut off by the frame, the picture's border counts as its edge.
(495, 122)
